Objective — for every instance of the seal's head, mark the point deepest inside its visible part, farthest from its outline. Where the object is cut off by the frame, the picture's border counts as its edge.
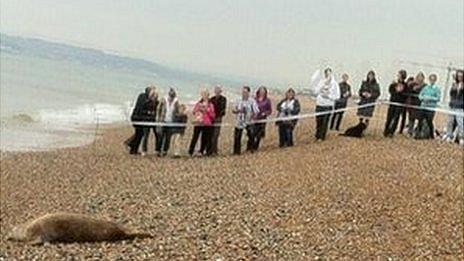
(18, 233)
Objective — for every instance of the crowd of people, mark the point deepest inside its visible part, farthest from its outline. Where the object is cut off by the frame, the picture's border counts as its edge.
(412, 106)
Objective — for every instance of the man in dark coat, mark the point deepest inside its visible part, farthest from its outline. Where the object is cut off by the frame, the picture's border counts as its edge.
(397, 95)
(219, 102)
(412, 94)
(141, 113)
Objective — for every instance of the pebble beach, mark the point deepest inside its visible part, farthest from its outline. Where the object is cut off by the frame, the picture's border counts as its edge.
(342, 199)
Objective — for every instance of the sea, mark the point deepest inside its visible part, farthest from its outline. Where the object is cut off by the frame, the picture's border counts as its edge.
(55, 95)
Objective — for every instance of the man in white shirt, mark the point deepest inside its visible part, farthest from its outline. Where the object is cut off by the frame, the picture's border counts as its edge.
(327, 91)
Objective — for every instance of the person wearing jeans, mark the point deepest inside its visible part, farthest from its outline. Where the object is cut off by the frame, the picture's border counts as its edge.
(397, 95)
(167, 111)
(407, 101)
(265, 109)
(246, 110)
(429, 97)
(151, 113)
(345, 94)
(456, 105)
(204, 116)
(141, 113)
(327, 91)
(289, 106)
(412, 94)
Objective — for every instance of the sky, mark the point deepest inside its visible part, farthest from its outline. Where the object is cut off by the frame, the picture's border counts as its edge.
(267, 39)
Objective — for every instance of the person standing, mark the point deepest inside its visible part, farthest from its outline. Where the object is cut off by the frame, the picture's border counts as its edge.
(413, 96)
(404, 114)
(456, 105)
(152, 108)
(246, 110)
(265, 109)
(204, 115)
(397, 95)
(289, 106)
(219, 102)
(177, 132)
(429, 96)
(368, 93)
(327, 91)
(140, 114)
(341, 103)
(167, 110)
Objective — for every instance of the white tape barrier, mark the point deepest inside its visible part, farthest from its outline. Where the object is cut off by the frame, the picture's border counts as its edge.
(287, 118)
(300, 116)
(449, 112)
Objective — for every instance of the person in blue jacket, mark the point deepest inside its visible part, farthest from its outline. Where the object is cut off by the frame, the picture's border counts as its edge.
(429, 96)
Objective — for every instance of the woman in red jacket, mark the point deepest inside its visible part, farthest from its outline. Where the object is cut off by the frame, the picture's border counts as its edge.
(204, 114)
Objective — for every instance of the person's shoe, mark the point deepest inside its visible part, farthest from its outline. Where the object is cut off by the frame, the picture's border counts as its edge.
(143, 153)
(461, 142)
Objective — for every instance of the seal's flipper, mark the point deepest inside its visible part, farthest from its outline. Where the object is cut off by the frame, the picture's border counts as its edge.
(140, 235)
(36, 242)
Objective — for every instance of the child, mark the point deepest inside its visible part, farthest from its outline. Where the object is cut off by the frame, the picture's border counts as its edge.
(178, 131)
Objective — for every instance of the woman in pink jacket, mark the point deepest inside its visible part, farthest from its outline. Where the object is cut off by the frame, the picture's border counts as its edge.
(204, 114)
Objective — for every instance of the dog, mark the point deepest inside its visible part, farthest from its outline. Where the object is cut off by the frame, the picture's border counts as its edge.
(355, 131)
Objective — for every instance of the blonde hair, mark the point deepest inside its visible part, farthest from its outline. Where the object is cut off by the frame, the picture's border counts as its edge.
(204, 92)
(152, 88)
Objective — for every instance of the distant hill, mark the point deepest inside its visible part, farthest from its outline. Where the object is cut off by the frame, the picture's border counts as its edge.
(87, 56)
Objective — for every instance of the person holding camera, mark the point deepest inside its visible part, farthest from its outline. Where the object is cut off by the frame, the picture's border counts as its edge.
(289, 106)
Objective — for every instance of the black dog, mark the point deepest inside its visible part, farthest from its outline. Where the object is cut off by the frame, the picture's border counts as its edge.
(355, 131)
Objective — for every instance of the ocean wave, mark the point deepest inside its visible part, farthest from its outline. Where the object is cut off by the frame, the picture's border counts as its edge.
(51, 128)
(86, 114)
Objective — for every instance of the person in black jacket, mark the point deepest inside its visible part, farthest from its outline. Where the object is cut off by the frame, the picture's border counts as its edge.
(456, 105)
(345, 94)
(397, 95)
(289, 106)
(368, 93)
(412, 94)
(152, 107)
(219, 102)
(407, 102)
(140, 114)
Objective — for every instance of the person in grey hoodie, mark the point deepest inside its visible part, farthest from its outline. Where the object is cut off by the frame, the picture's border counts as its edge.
(327, 91)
